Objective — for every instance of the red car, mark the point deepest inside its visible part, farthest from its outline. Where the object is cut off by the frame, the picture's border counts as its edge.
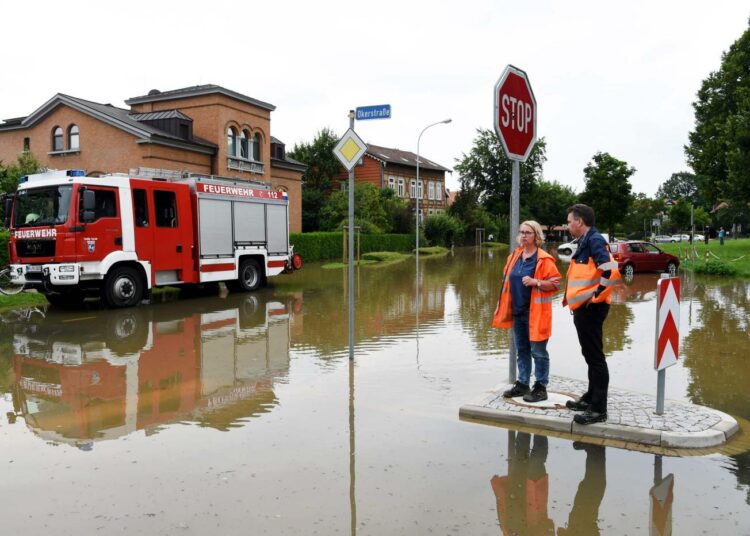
(636, 256)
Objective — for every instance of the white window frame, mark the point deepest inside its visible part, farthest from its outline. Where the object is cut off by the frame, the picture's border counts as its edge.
(439, 191)
(413, 189)
(420, 190)
(401, 187)
(391, 182)
(431, 190)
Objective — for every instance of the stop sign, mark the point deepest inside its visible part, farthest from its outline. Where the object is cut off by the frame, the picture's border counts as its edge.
(515, 113)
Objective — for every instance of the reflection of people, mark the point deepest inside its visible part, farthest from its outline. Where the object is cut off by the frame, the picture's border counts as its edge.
(522, 495)
(721, 236)
(529, 280)
(588, 293)
(583, 516)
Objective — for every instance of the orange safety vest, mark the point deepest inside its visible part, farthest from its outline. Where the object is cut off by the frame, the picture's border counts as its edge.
(540, 309)
(585, 278)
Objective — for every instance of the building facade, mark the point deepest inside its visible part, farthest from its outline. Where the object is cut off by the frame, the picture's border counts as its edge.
(397, 170)
(200, 129)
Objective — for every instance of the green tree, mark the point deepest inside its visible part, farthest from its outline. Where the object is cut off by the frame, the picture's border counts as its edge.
(487, 172)
(322, 167)
(549, 202)
(681, 185)
(369, 209)
(9, 175)
(679, 216)
(442, 229)
(643, 211)
(719, 147)
(473, 216)
(607, 190)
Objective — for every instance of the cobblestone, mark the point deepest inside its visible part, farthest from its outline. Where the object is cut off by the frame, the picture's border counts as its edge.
(631, 416)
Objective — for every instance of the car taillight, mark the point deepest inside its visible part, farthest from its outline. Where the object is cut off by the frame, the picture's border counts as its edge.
(616, 256)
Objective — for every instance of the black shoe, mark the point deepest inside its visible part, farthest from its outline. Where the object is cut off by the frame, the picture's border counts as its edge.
(577, 405)
(518, 389)
(590, 417)
(538, 394)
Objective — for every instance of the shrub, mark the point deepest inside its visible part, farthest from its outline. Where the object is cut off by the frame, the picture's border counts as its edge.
(328, 246)
(442, 229)
(715, 267)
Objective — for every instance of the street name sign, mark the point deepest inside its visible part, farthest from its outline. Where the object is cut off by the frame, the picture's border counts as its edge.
(350, 149)
(379, 111)
(515, 113)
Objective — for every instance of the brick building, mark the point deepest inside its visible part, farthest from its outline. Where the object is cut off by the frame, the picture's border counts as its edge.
(395, 169)
(202, 129)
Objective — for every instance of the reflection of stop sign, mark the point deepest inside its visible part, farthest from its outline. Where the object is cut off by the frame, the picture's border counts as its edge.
(515, 113)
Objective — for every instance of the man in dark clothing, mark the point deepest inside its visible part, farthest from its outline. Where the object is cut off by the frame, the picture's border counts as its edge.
(590, 280)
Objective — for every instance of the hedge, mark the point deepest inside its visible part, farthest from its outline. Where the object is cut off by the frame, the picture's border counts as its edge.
(4, 260)
(328, 246)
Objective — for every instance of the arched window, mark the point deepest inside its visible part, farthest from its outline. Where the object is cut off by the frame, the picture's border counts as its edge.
(73, 139)
(57, 139)
(244, 147)
(231, 141)
(256, 148)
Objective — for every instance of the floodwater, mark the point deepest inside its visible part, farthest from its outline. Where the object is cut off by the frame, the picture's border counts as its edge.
(241, 414)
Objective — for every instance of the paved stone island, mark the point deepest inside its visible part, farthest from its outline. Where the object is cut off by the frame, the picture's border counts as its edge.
(631, 416)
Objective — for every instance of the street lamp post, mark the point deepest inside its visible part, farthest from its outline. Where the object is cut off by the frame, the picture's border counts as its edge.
(444, 121)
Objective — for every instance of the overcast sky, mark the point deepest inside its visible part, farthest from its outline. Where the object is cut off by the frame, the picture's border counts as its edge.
(619, 79)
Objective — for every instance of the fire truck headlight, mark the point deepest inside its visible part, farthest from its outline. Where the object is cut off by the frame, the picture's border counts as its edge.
(67, 268)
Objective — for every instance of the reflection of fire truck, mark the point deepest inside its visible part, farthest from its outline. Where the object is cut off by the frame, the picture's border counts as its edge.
(141, 368)
(121, 235)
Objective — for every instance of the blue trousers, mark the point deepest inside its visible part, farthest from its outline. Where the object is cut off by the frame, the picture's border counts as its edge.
(527, 349)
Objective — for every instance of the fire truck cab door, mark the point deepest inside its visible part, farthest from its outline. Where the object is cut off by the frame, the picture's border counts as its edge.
(103, 235)
(164, 231)
(171, 246)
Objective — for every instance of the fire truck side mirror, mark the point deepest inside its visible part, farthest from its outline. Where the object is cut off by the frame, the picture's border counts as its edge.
(88, 214)
(8, 206)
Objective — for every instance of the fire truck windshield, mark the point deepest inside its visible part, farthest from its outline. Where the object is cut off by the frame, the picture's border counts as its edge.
(42, 206)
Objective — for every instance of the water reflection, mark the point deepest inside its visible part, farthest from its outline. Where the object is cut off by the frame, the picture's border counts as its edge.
(93, 375)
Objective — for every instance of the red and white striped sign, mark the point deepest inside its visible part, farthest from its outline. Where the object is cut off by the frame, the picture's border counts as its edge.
(667, 323)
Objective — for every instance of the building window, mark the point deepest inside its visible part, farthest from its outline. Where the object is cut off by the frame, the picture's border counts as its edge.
(391, 182)
(429, 211)
(255, 145)
(231, 141)
(412, 189)
(420, 194)
(244, 144)
(401, 187)
(439, 191)
(26, 145)
(431, 190)
(57, 139)
(73, 139)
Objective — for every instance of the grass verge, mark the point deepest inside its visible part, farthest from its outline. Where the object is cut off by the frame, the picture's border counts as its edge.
(735, 254)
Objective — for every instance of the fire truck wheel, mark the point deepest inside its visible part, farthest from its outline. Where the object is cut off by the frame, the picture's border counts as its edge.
(250, 276)
(123, 287)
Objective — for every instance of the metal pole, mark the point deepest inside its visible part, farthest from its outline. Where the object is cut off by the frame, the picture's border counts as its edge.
(351, 251)
(661, 375)
(515, 193)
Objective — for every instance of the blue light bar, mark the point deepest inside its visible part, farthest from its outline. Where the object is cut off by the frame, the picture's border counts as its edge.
(23, 179)
(76, 173)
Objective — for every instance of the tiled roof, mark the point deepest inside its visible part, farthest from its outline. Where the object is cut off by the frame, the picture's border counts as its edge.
(404, 158)
(195, 91)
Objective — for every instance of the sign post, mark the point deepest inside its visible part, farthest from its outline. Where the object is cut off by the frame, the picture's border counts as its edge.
(667, 332)
(515, 124)
(349, 150)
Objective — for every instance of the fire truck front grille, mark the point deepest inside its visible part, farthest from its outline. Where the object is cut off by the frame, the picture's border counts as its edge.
(35, 248)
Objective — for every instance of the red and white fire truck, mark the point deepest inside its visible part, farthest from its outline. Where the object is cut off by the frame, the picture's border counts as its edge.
(121, 235)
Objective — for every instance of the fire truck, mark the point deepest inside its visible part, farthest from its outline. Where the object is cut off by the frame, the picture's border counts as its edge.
(121, 235)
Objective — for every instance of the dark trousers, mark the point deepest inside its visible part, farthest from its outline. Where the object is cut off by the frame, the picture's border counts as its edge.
(589, 321)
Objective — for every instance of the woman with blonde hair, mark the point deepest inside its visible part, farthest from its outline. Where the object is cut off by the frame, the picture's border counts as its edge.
(530, 279)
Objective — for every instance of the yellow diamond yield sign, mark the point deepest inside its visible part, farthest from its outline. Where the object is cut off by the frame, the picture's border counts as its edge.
(350, 149)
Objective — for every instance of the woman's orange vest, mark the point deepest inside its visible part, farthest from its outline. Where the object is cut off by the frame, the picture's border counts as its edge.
(584, 279)
(540, 309)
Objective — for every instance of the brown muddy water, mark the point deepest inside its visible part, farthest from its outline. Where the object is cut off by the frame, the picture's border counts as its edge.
(240, 414)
